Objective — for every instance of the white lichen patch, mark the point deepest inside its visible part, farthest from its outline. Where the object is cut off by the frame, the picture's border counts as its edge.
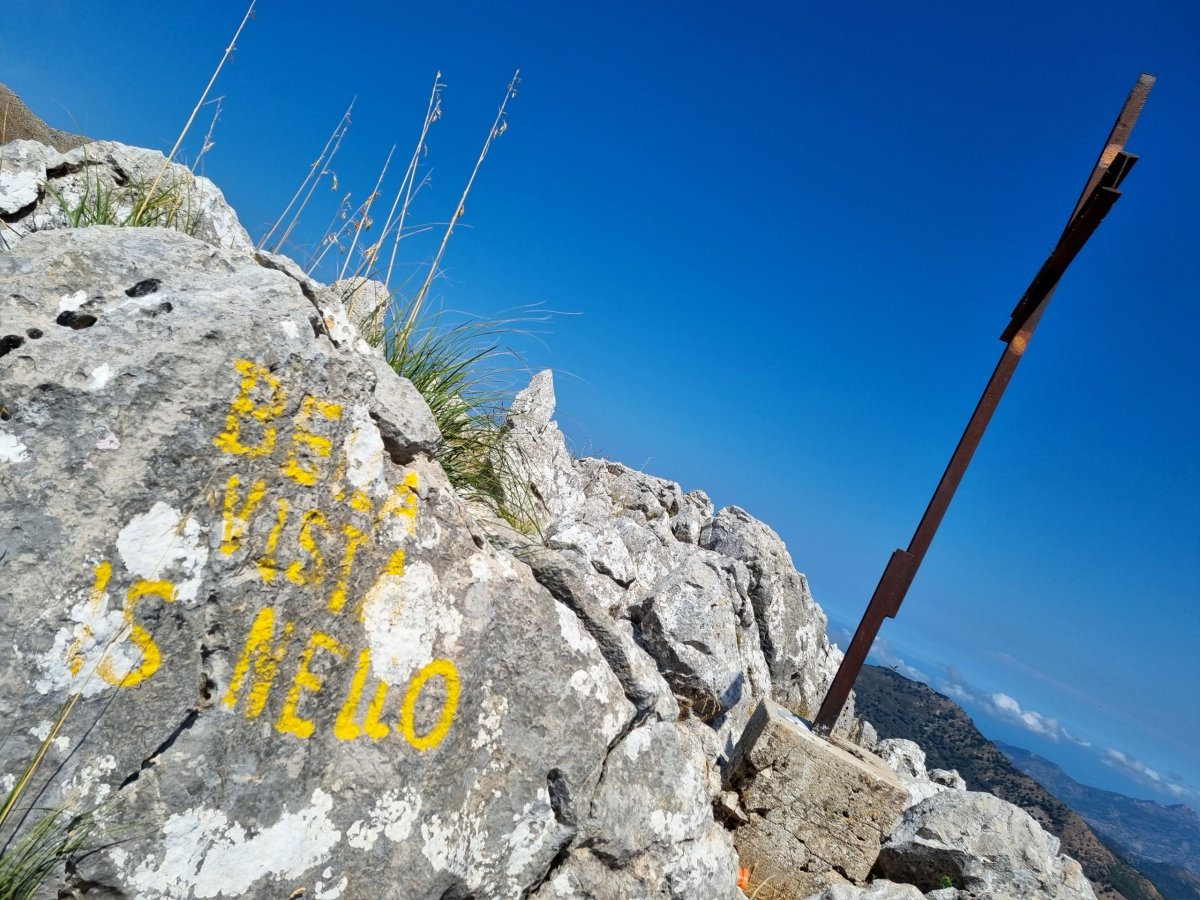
(90, 782)
(597, 682)
(290, 329)
(394, 815)
(409, 620)
(638, 740)
(164, 543)
(11, 449)
(532, 827)
(205, 855)
(564, 885)
(71, 302)
(101, 375)
(89, 654)
(42, 730)
(577, 639)
(364, 451)
(109, 442)
(456, 844)
(322, 891)
(7, 783)
(492, 713)
(670, 826)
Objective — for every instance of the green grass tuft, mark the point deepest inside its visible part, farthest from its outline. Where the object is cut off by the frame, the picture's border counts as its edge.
(457, 368)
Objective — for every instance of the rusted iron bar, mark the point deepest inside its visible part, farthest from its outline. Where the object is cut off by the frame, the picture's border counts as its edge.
(1099, 194)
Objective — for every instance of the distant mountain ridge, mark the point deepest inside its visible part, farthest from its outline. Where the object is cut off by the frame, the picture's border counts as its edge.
(1163, 841)
(901, 708)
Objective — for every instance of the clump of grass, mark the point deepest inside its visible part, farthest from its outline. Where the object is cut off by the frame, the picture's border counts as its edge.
(454, 365)
(134, 205)
(30, 855)
(456, 368)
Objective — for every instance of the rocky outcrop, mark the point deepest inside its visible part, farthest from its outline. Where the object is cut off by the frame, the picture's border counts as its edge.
(304, 665)
(980, 844)
(109, 183)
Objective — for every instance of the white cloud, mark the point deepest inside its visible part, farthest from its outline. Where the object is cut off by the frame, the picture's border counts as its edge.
(1148, 777)
(1002, 706)
(1005, 707)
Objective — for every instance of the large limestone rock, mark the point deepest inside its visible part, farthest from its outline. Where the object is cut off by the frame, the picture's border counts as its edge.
(43, 189)
(714, 600)
(818, 810)
(791, 625)
(302, 668)
(879, 890)
(982, 844)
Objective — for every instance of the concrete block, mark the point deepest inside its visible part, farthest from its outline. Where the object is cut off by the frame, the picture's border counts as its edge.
(818, 809)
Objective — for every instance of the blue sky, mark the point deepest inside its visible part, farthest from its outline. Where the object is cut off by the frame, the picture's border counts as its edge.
(784, 242)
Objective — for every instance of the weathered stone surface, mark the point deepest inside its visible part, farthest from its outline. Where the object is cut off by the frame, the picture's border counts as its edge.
(112, 177)
(637, 844)
(689, 624)
(595, 599)
(366, 302)
(905, 758)
(202, 532)
(983, 844)
(790, 624)
(818, 809)
(538, 451)
(948, 778)
(878, 890)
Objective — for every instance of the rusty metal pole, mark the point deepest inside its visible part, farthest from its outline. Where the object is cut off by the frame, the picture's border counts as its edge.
(1099, 194)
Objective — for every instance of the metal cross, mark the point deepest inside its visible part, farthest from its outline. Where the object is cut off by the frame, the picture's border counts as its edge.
(1099, 195)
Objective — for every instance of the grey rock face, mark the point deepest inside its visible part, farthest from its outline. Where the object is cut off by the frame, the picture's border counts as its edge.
(905, 758)
(984, 845)
(300, 662)
(818, 809)
(879, 890)
(638, 846)
(948, 778)
(790, 624)
(40, 188)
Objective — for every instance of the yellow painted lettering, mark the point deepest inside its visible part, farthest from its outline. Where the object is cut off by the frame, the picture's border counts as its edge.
(266, 563)
(402, 502)
(237, 519)
(245, 407)
(346, 728)
(260, 662)
(151, 655)
(297, 572)
(354, 538)
(437, 734)
(318, 446)
(395, 564)
(290, 721)
(96, 601)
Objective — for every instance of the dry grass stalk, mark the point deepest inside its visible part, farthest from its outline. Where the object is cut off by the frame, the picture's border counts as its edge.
(498, 128)
(363, 219)
(203, 97)
(208, 143)
(432, 113)
(316, 172)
